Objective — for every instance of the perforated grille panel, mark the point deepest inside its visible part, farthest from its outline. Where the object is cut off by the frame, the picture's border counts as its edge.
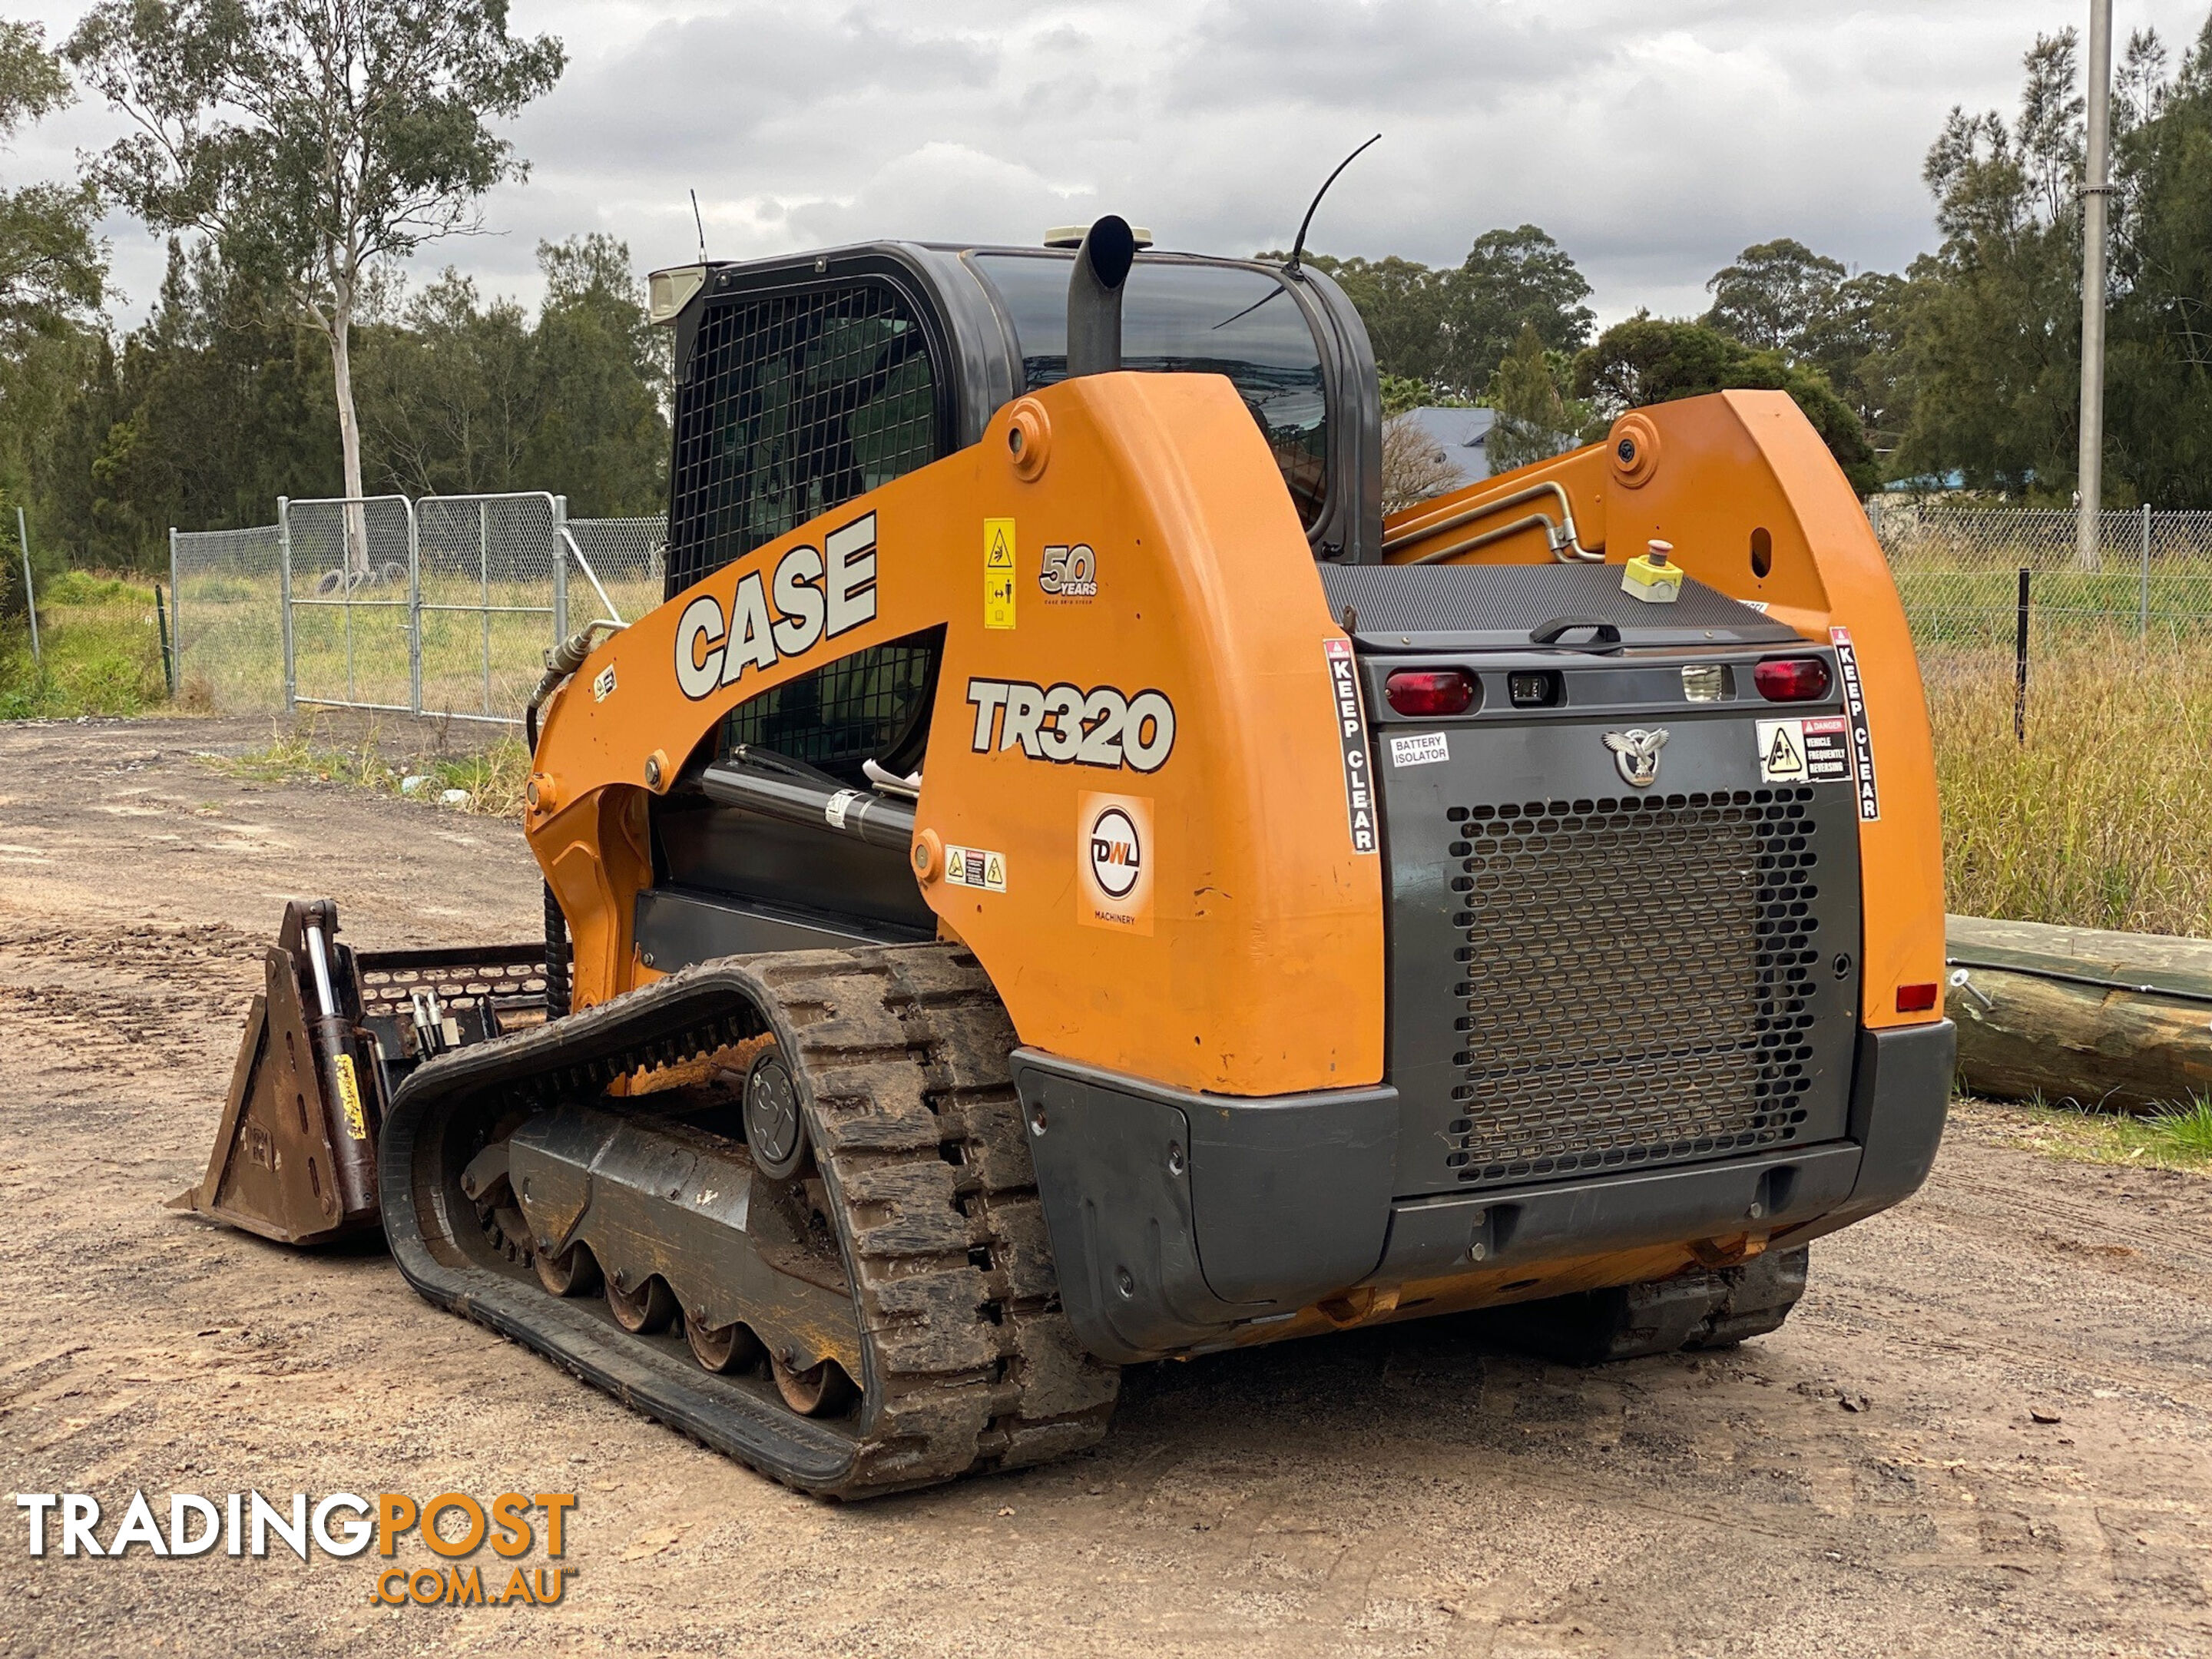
(1636, 976)
(795, 404)
(460, 979)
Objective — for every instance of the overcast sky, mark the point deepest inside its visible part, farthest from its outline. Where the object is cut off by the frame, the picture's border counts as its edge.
(1653, 138)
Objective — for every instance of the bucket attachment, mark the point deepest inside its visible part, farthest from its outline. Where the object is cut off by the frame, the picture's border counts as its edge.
(327, 1039)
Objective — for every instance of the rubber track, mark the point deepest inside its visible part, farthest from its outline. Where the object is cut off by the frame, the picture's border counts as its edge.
(970, 1362)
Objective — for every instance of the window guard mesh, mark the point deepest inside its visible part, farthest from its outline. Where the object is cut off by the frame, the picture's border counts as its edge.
(857, 708)
(795, 404)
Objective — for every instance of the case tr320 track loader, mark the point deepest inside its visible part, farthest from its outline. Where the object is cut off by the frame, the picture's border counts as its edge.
(1063, 880)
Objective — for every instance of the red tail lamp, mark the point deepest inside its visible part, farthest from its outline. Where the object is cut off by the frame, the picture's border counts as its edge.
(1429, 692)
(1792, 679)
(1915, 999)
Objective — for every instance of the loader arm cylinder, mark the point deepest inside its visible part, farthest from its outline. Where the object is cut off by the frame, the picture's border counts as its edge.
(869, 817)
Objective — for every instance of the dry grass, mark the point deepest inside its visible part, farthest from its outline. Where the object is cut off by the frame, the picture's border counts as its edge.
(2103, 818)
(488, 783)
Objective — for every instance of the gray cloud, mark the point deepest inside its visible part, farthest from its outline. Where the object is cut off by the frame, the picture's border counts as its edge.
(1653, 141)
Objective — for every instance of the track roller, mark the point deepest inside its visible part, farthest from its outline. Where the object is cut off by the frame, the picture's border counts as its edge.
(730, 1348)
(856, 1208)
(645, 1309)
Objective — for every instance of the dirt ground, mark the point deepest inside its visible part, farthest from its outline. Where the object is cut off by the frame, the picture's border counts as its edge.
(1870, 1481)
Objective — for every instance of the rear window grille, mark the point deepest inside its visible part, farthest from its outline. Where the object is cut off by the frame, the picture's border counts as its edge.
(1633, 980)
(795, 404)
(858, 708)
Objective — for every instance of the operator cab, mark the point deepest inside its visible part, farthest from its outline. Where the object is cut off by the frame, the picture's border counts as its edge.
(805, 382)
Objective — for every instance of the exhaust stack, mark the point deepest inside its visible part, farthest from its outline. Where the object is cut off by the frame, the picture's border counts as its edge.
(1094, 296)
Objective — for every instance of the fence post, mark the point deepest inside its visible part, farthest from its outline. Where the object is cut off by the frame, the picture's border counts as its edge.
(161, 625)
(172, 643)
(414, 608)
(483, 590)
(2142, 623)
(284, 601)
(2020, 666)
(560, 571)
(30, 595)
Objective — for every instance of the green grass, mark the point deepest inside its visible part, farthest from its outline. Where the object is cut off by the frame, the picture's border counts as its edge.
(100, 652)
(2178, 1138)
(310, 752)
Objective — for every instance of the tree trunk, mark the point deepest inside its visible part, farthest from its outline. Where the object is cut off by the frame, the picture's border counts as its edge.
(2114, 1020)
(356, 520)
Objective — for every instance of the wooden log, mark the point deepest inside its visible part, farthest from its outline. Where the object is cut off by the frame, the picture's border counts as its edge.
(2120, 1021)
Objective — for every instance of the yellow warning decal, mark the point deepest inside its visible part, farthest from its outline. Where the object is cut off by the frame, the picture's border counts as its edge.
(997, 573)
(349, 1099)
(975, 866)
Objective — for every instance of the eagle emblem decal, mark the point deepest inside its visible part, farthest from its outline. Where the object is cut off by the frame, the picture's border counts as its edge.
(1637, 754)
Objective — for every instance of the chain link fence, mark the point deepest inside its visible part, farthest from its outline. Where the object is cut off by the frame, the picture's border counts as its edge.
(1957, 570)
(348, 600)
(227, 617)
(443, 605)
(446, 604)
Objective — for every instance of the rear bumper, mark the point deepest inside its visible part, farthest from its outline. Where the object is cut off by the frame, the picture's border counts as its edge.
(1177, 1218)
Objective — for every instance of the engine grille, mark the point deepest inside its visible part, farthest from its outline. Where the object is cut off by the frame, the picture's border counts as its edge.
(1637, 975)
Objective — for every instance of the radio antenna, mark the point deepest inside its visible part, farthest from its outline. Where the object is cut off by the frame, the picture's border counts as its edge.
(701, 223)
(1298, 247)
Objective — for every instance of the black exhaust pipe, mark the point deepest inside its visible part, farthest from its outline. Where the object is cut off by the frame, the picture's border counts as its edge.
(1094, 296)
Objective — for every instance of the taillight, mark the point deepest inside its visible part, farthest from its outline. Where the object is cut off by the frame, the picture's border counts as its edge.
(1915, 999)
(1792, 679)
(1429, 692)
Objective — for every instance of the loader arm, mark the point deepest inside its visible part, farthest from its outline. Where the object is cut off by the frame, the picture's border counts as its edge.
(1206, 717)
(1743, 487)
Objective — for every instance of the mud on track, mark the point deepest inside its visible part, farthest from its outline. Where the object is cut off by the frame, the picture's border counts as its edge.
(1399, 1493)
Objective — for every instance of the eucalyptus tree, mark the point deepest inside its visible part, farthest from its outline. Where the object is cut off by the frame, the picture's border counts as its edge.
(312, 139)
(51, 267)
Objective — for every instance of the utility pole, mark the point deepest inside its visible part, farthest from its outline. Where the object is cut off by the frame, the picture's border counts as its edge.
(2096, 191)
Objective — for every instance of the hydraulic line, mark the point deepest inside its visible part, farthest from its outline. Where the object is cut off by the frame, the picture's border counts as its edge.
(1564, 540)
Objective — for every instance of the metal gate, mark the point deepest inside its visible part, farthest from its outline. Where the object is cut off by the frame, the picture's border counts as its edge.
(348, 585)
(444, 606)
(492, 593)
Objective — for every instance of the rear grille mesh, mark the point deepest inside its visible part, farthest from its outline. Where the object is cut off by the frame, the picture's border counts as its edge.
(1634, 978)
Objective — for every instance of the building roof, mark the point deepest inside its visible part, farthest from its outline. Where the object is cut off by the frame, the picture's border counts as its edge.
(1453, 430)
